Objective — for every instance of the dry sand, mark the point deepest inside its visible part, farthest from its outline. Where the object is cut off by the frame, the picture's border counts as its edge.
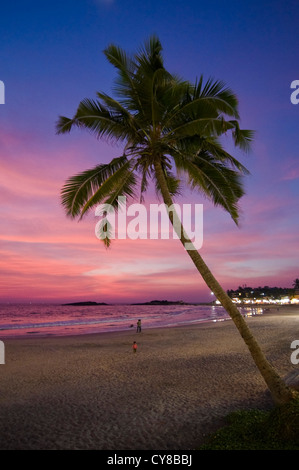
(93, 392)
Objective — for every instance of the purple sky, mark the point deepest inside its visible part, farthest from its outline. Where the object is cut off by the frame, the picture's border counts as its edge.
(51, 58)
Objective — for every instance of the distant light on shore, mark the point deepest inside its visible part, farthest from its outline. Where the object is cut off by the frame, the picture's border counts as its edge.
(282, 301)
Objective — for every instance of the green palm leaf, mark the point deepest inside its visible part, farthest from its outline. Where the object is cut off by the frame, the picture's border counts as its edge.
(220, 184)
(78, 189)
(120, 183)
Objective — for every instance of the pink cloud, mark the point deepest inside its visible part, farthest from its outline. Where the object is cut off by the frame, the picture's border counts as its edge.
(292, 174)
(45, 255)
(289, 169)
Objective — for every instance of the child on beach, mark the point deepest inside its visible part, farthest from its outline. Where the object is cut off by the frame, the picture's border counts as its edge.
(134, 347)
(139, 326)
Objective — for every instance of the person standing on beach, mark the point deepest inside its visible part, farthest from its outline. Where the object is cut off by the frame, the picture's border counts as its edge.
(134, 347)
(139, 326)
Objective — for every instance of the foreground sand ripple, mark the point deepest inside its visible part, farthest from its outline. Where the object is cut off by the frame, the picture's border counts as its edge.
(92, 392)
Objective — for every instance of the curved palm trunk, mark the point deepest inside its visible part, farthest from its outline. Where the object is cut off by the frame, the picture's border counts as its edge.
(280, 392)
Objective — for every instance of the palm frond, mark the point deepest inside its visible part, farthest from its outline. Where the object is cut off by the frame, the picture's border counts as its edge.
(149, 57)
(104, 232)
(80, 188)
(242, 137)
(202, 127)
(101, 121)
(125, 186)
(220, 184)
(120, 183)
(64, 125)
(118, 58)
(192, 145)
(217, 89)
(125, 83)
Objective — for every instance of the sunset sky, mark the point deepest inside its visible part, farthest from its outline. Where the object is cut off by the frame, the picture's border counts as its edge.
(51, 58)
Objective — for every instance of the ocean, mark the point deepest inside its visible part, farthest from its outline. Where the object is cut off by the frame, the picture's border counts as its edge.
(39, 320)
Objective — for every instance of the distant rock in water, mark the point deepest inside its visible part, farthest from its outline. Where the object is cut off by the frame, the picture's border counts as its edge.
(163, 302)
(86, 303)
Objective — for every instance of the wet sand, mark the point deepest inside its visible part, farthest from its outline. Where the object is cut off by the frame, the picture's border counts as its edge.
(93, 392)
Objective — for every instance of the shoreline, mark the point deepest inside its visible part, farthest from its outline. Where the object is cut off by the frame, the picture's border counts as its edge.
(285, 310)
(90, 391)
(40, 335)
(128, 330)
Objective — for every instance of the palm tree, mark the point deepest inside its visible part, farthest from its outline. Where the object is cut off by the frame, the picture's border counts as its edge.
(296, 284)
(169, 129)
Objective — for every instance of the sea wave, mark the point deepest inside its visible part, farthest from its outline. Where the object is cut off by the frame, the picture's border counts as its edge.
(17, 320)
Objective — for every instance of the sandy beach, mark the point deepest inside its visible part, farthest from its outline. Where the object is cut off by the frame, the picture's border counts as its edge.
(93, 392)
